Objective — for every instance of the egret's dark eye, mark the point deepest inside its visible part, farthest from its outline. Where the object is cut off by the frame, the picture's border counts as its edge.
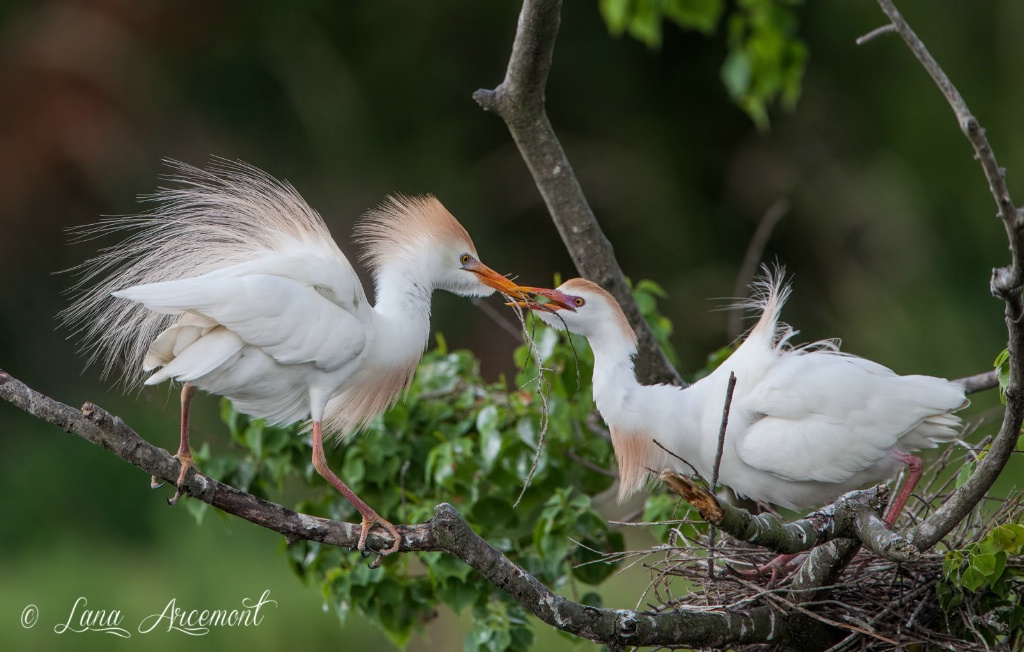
(465, 258)
(579, 302)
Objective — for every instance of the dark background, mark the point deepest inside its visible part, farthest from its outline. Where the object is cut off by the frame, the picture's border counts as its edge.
(891, 236)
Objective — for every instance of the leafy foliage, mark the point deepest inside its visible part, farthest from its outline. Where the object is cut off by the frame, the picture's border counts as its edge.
(980, 570)
(458, 439)
(765, 61)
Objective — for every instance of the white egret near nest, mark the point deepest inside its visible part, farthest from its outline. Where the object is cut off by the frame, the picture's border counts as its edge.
(233, 285)
(806, 423)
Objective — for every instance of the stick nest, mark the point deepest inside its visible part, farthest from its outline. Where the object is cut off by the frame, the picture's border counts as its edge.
(876, 603)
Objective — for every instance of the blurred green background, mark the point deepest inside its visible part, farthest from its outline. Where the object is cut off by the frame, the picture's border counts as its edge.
(891, 236)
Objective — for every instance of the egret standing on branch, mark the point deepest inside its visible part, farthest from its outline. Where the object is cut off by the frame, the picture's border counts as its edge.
(806, 423)
(232, 284)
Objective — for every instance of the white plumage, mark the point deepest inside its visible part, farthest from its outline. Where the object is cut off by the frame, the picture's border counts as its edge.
(806, 423)
(233, 285)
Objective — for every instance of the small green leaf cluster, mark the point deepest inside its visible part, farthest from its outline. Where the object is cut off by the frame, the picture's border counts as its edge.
(455, 438)
(643, 19)
(1002, 367)
(765, 61)
(980, 571)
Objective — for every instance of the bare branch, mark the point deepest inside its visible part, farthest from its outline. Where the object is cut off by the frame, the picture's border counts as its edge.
(979, 382)
(519, 100)
(875, 33)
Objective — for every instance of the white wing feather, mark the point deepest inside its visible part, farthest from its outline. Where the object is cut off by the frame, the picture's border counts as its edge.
(826, 416)
(231, 214)
(286, 318)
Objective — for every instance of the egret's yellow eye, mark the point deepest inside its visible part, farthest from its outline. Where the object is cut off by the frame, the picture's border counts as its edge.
(579, 302)
(465, 258)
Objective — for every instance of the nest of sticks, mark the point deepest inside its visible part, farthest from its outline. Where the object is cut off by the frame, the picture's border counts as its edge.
(881, 605)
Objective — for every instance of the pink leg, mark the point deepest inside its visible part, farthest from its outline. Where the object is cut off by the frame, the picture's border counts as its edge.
(914, 470)
(778, 569)
(370, 517)
(184, 454)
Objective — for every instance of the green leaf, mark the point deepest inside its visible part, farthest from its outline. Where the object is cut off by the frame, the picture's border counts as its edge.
(1002, 367)
(702, 15)
(945, 595)
(487, 422)
(1010, 537)
(984, 564)
(645, 24)
(354, 470)
(254, 437)
(973, 579)
(616, 15)
(952, 563)
(964, 474)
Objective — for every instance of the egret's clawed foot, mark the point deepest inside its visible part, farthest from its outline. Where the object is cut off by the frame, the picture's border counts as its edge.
(186, 463)
(369, 522)
(777, 570)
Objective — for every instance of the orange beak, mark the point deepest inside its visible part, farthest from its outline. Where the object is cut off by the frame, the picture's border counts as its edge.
(545, 300)
(493, 279)
(524, 296)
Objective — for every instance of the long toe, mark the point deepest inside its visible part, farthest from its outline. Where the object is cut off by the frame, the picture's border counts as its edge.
(155, 482)
(186, 464)
(387, 525)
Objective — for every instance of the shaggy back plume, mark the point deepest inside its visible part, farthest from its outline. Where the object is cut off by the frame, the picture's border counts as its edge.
(229, 213)
(769, 292)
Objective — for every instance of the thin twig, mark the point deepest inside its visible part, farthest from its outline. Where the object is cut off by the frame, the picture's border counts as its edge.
(875, 33)
(718, 462)
(543, 386)
(658, 444)
(721, 431)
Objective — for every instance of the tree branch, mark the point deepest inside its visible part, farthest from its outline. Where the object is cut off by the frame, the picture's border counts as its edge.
(446, 532)
(1005, 284)
(854, 515)
(519, 100)
(979, 382)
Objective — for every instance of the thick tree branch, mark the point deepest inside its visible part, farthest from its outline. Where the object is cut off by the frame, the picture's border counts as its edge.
(446, 532)
(854, 515)
(519, 100)
(1005, 284)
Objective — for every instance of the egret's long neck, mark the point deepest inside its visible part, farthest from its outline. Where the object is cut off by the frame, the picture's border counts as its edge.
(614, 376)
(619, 398)
(640, 415)
(402, 310)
